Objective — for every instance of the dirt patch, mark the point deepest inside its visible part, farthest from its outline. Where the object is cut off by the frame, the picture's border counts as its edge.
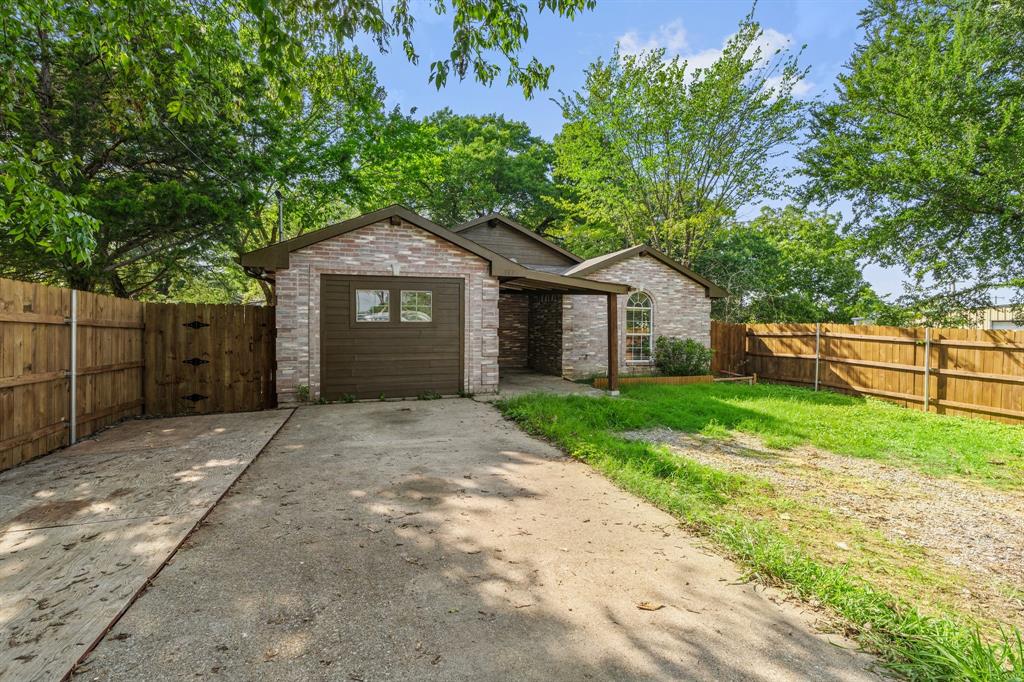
(52, 512)
(425, 489)
(967, 527)
(58, 511)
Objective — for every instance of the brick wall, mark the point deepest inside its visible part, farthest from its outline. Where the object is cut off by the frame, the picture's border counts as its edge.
(513, 329)
(681, 309)
(545, 345)
(380, 249)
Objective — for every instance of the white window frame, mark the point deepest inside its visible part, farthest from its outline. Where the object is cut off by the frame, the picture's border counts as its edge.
(650, 328)
(401, 305)
(387, 300)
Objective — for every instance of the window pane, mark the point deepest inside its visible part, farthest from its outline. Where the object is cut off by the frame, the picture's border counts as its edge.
(638, 321)
(638, 299)
(638, 348)
(373, 305)
(417, 306)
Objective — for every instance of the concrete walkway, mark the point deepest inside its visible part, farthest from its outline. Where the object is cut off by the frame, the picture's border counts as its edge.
(82, 530)
(435, 541)
(518, 382)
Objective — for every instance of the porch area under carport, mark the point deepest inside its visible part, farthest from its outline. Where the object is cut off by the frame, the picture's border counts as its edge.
(530, 319)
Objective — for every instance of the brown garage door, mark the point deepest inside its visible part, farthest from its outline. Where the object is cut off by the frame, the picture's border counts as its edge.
(390, 336)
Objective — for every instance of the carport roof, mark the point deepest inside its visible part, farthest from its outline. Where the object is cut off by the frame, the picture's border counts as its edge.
(511, 274)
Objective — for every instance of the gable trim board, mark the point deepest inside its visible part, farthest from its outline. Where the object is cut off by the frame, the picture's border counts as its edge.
(681, 308)
(592, 265)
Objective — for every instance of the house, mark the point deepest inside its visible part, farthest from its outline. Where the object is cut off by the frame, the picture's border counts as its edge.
(391, 304)
(1005, 317)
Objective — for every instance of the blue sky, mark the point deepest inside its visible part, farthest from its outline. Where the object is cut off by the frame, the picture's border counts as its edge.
(691, 28)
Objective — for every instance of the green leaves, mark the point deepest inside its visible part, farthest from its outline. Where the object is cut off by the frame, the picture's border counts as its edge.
(33, 211)
(156, 62)
(655, 152)
(453, 168)
(926, 139)
(787, 265)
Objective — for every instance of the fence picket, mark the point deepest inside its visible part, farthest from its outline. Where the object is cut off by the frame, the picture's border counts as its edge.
(130, 358)
(968, 372)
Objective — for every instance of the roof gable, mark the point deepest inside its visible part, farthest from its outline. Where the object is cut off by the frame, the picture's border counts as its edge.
(515, 241)
(592, 265)
(276, 256)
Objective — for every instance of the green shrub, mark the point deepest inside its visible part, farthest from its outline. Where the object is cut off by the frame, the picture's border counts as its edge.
(681, 357)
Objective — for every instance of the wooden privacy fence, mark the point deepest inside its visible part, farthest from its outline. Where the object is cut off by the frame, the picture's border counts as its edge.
(208, 358)
(727, 341)
(968, 372)
(120, 358)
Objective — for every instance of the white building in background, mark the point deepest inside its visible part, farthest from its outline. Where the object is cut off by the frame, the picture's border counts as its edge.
(1000, 318)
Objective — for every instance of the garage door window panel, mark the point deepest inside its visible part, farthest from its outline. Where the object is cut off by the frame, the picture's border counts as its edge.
(417, 306)
(373, 305)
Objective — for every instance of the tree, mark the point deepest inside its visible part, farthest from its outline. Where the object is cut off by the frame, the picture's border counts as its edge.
(165, 57)
(786, 265)
(654, 152)
(461, 167)
(174, 201)
(926, 140)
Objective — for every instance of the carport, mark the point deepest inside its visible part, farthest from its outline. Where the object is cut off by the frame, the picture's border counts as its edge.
(543, 294)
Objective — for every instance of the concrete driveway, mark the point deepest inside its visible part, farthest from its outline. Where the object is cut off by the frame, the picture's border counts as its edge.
(433, 540)
(84, 529)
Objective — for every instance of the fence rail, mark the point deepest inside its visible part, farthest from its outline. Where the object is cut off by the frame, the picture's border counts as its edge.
(128, 360)
(969, 372)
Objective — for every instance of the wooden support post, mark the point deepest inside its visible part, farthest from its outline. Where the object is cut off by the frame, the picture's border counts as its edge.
(927, 364)
(613, 344)
(817, 354)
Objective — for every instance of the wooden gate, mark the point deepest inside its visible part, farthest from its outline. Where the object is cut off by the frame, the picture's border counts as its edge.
(208, 358)
(728, 341)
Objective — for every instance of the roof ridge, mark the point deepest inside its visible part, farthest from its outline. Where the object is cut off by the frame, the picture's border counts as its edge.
(519, 227)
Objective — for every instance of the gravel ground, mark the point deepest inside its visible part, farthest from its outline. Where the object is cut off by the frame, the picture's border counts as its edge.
(966, 526)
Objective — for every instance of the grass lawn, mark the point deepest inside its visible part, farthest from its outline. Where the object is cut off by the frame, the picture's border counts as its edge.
(785, 416)
(878, 592)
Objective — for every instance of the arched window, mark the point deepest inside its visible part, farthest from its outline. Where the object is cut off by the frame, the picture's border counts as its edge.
(639, 327)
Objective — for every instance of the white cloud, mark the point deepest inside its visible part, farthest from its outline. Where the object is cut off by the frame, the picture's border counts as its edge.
(672, 37)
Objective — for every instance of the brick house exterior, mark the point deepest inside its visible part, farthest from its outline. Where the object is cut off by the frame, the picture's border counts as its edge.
(681, 309)
(387, 250)
(504, 299)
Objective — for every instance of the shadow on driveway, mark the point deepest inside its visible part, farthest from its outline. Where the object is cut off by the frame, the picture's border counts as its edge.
(434, 540)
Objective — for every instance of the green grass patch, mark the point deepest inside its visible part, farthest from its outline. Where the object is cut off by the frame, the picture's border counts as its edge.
(784, 416)
(722, 505)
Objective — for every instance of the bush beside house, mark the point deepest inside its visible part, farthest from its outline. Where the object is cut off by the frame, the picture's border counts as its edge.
(681, 357)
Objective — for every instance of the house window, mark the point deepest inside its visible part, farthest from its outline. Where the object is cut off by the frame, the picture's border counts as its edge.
(417, 306)
(639, 327)
(373, 305)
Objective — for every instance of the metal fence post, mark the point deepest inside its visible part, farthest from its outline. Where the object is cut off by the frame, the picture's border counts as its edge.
(817, 354)
(73, 437)
(927, 364)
